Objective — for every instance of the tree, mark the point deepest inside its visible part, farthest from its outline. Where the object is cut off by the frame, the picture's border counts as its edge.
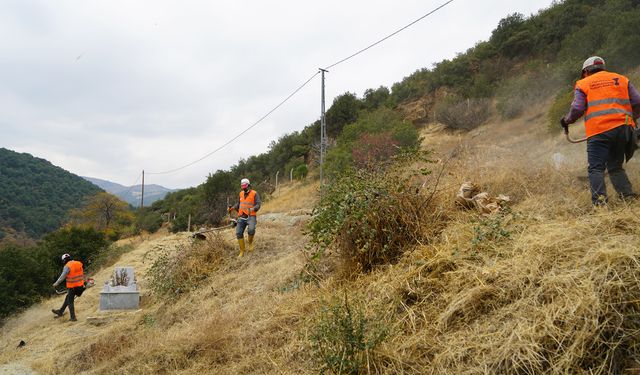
(104, 212)
(83, 243)
(342, 112)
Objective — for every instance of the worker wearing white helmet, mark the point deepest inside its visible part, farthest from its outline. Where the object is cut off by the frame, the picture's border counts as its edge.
(73, 275)
(247, 207)
(611, 106)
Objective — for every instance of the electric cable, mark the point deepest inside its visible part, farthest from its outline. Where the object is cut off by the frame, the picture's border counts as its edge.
(242, 132)
(133, 185)
(388, 36)
(300, 88)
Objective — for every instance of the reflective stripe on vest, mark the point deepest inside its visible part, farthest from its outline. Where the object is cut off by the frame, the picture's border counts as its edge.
(247, 203)
(75, 277)
(608, 104)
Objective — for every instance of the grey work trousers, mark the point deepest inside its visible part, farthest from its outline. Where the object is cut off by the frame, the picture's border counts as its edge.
(244, 223)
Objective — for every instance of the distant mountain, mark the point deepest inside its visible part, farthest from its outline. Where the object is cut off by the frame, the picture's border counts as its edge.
(36, 195)
(131, 194)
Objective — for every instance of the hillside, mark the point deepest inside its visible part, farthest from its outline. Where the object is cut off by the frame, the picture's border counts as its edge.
(549, 286)
(528, 60)
(131, 194)
(383, 271)
(35, 195)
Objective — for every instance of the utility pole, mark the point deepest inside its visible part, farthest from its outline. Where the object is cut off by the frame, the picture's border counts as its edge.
(142, 195)
(277, 173)
(323, 133)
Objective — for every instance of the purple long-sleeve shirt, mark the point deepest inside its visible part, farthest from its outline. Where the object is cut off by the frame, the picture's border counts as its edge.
(579, 104)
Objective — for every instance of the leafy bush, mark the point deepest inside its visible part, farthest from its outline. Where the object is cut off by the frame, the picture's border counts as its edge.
(25, 276)
(177, 271)
(384, 127)
(343, 338)
(463, 114)
(371, 215)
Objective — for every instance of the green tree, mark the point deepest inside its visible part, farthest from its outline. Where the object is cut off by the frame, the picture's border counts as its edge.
(343, 111)
(83, 243)
(24, 278)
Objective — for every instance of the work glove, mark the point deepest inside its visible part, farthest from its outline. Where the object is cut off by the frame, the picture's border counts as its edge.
(564, 125)
(229, 209)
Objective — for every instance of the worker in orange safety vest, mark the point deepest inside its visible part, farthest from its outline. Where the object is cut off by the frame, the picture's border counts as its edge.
(73, 274)
(247, 207)
(610, 105)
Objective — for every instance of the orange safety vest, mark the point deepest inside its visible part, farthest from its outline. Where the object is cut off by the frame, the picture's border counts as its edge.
(608, 104)
(247, 202)
(75, 277)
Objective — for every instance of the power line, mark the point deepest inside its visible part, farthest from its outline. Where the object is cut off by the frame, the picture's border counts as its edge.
(300, 88)
(388, 36)
(132, 185)
(241, 133)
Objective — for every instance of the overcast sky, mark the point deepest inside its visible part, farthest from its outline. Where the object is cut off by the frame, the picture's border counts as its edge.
(109, 88)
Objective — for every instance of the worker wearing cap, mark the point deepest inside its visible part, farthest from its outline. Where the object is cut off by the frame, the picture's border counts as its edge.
(247, 207)
(73, 274)
(610, 104)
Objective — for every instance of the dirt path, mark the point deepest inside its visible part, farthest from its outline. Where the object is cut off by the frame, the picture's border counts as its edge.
(15, 369)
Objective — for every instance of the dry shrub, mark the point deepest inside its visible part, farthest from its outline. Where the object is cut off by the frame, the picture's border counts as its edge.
(463, 114)
(176, 271)
(104, 349)
(371, 216)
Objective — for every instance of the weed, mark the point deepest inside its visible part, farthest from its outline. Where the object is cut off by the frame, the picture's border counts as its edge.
(491, 229)
(148, 320)
(343, 338)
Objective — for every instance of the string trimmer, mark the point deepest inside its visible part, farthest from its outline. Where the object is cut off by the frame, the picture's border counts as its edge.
(566, 133)
(87, 284)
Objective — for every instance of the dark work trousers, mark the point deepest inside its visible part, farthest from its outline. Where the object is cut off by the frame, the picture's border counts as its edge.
(606, 151)
(68, 301)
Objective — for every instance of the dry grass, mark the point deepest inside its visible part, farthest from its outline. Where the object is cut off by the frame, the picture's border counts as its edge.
(293, 196)
(556, 293)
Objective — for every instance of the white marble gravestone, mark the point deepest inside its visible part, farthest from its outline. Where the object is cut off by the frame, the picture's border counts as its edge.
(121, 292)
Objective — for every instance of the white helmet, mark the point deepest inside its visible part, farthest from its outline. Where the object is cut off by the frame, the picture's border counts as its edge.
(593, 63)
(245, 181)
(65, 257)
